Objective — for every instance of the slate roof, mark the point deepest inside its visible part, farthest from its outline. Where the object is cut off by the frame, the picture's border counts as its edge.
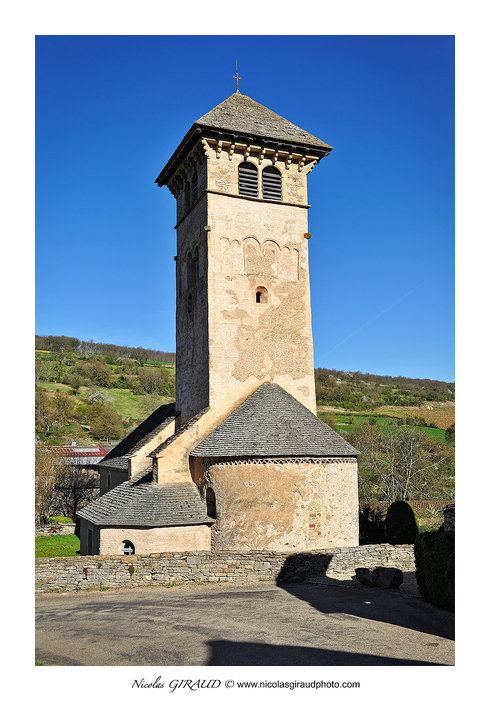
(240, 113)
(138, 502)
(118, 456)
(272, 423)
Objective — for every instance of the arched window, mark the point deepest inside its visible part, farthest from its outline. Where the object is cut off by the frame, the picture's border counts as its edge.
(261, 295)
(248, 179)
(210, 503)
(271, 183)
(127, 548)
(189, 304)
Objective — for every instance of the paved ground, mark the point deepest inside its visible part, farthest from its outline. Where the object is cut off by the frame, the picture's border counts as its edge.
(256, 624)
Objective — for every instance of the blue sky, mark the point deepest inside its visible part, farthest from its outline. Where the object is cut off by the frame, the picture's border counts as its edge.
(110, 111)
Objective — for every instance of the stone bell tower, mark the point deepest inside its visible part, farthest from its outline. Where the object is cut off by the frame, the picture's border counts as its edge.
(243, 295)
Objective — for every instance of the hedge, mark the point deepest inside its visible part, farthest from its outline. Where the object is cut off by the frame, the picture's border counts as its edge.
(434, 562)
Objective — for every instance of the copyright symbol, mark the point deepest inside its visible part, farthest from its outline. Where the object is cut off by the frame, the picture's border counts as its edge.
(229, 684)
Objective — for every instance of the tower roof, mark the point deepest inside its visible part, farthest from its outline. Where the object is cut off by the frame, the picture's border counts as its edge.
(240, 113)
(272, 423)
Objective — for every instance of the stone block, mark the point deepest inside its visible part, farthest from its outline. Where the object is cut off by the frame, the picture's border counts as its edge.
(380, 577)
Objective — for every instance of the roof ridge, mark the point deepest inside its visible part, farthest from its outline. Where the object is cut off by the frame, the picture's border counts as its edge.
(178, 433)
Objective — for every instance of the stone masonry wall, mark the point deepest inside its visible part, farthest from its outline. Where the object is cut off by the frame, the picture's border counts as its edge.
(91, 572)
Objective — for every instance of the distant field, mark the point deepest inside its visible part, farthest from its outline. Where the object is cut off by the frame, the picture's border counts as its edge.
(442, 416)
(341, 423)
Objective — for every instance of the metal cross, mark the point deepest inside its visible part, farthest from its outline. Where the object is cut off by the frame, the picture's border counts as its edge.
(237, 78)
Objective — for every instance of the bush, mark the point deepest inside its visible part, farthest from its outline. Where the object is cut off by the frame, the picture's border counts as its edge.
(401, 523)
(371, 524)
(434, 562)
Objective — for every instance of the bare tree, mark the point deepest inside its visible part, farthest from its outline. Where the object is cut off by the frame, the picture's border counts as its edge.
(401, 463)
(75, 486)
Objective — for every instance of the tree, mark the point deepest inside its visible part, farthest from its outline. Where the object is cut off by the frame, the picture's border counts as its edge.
(153, 381)
(43, 412)
(401, 463)
(49, 465)
(63, 407)
(97, 371)
(105, 423)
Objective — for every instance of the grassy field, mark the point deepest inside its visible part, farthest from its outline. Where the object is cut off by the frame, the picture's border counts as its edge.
(57, 545)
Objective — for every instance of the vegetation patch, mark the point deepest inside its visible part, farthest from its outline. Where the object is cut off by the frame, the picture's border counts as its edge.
(57, 545)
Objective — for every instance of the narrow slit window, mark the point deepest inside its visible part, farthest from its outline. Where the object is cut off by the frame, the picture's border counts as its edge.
(271, 183)
(248, 179)
(210, 503)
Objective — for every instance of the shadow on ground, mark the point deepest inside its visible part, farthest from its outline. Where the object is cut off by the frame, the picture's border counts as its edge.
(231, 653)
(391, 606)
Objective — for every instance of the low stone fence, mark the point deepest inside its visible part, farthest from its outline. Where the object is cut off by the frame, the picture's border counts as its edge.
(93, 571)
(55, 529)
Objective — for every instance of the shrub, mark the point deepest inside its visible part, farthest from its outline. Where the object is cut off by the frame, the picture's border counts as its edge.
(450, 434)
(401, 523)
(434, 562)
(371, 524)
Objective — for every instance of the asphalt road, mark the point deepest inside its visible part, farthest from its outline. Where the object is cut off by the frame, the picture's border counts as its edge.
(232, 625)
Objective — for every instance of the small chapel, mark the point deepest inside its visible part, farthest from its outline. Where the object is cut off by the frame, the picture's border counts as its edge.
(240, 461)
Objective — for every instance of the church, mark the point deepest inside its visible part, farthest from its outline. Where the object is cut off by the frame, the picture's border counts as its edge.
(240, 461)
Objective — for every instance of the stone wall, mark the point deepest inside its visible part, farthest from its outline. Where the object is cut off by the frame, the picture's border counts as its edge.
(92, 572)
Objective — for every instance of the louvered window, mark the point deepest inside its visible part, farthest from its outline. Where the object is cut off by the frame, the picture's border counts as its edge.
(187, 200)
(248, 180)
(194, 188)
(271, 184)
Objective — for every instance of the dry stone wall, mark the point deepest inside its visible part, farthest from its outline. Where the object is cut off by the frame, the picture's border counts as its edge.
(92, 572)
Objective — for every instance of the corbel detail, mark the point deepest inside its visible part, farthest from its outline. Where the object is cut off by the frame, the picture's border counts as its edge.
(206, 148)
(309, 166)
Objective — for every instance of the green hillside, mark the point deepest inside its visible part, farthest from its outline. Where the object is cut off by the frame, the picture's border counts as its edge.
(94, 392)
